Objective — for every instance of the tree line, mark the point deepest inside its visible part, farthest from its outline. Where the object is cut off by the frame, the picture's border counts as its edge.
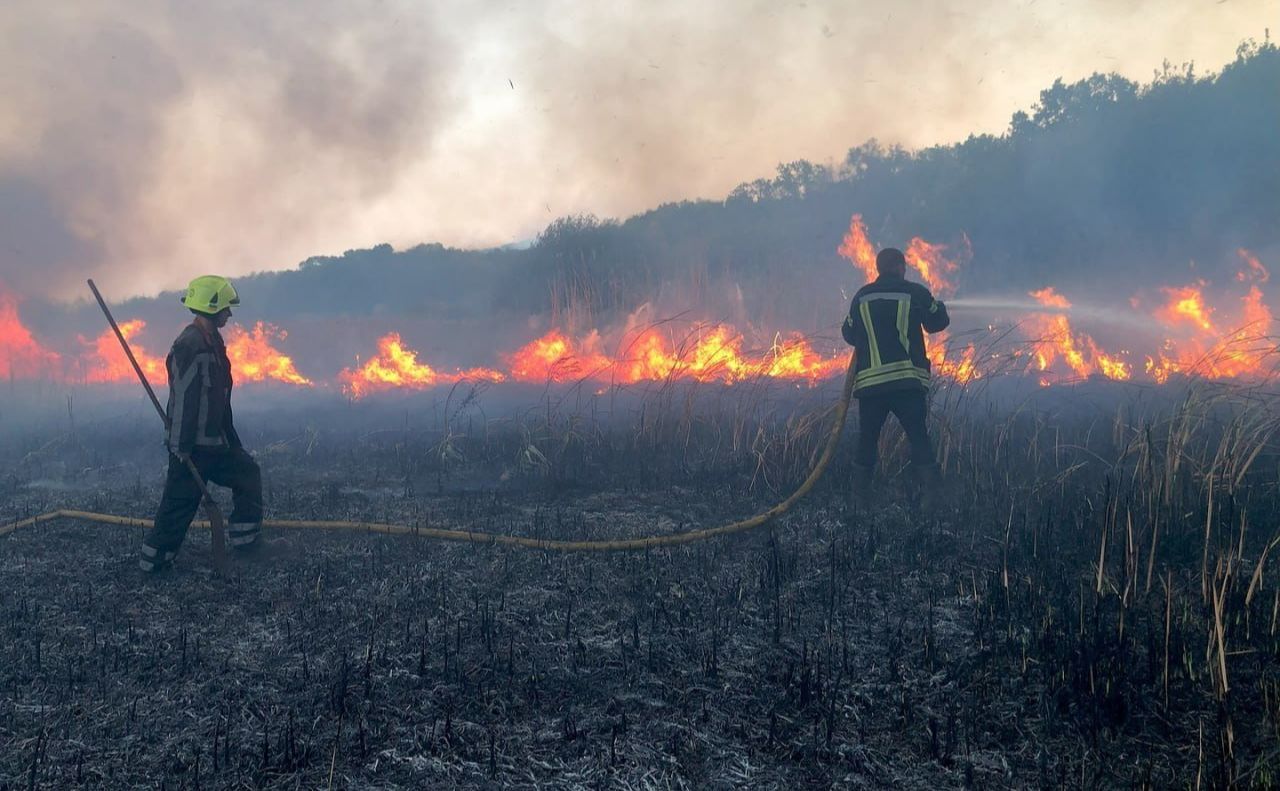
(1104, 183)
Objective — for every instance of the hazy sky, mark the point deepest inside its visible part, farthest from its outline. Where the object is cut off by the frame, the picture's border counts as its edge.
(144, 142)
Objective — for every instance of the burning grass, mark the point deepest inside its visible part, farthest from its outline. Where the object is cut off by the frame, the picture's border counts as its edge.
(1218, 331)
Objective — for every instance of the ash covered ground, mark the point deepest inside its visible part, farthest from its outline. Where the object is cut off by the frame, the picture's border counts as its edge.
(1046, 626)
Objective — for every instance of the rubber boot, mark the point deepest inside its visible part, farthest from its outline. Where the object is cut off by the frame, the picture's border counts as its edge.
(928, 485)
(154, 561)
(861, 486)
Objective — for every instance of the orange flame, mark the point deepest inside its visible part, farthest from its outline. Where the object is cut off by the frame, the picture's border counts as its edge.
(795, 358)
(858, 249)
(1077, 350)
(555, 358)
(397, 366)
(934, 267)
(254, 358)
(1238, 354)
(21, 355)
(963, 370)
(1110, 366)
(1253, 268)
(1050, 298)
(648, 359)
(1186, 305)
(716, 355)
(928, 259)
(106, 360)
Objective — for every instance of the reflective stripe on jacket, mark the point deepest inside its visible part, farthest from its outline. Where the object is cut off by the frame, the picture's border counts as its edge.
(886, 326)
(199, 392)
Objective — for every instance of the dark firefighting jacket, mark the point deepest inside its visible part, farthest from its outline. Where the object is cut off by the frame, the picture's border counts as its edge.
(199, 392)
(886, 326)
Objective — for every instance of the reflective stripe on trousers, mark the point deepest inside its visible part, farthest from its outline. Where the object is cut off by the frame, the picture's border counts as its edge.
(242, 534)
(151, 559)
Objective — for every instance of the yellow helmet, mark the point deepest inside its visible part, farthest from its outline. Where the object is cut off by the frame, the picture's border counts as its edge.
(209, 294)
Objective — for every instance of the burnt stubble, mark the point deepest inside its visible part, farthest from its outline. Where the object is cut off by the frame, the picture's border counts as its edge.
(1093, 603)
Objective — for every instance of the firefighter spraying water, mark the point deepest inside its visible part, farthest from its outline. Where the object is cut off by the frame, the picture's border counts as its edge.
(886, 326)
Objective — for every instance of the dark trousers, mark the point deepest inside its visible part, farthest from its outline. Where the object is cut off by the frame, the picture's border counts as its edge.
(911, 409)
(230, 467)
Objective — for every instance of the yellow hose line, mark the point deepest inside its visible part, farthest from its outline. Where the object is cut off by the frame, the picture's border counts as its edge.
(645, 542)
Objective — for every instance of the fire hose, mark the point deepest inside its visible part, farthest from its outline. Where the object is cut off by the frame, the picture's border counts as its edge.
(524, 542)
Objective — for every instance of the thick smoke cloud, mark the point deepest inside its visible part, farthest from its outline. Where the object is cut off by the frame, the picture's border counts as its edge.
(145, 142)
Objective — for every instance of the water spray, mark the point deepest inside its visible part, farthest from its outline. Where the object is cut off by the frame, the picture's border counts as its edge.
(989, 305)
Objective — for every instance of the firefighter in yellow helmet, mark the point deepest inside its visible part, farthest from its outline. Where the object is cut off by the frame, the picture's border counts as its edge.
(201, 429)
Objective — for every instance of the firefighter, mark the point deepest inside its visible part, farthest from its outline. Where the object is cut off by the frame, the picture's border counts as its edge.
(886, 326)
(201, 429)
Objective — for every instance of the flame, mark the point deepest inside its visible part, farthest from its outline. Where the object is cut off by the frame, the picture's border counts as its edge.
(254, 358)
(927, 258)
(1253, 268)
(719, 356)
(106, 360)
(934, 267)
(1196, 315)
(1161, 368)
(795, 358)
(715, 353)
(648, 358)
(1110, 366)
(858, 249)
(1186, 305)
(1057, 340)
(715, 356)
(21, 355)
(396, 365)
(1050, 298)
(963, 370)
(555, 358)
(1239, 354)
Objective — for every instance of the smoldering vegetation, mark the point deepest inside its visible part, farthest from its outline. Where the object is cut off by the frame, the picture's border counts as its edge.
(1095, 602)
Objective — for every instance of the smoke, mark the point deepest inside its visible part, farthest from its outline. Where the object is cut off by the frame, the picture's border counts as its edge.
(145, 142)
(149, 141)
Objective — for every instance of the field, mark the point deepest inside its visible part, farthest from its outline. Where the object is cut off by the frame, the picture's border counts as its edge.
(1091, 604)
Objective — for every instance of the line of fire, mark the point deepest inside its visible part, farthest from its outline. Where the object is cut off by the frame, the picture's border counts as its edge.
(1217, 331)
